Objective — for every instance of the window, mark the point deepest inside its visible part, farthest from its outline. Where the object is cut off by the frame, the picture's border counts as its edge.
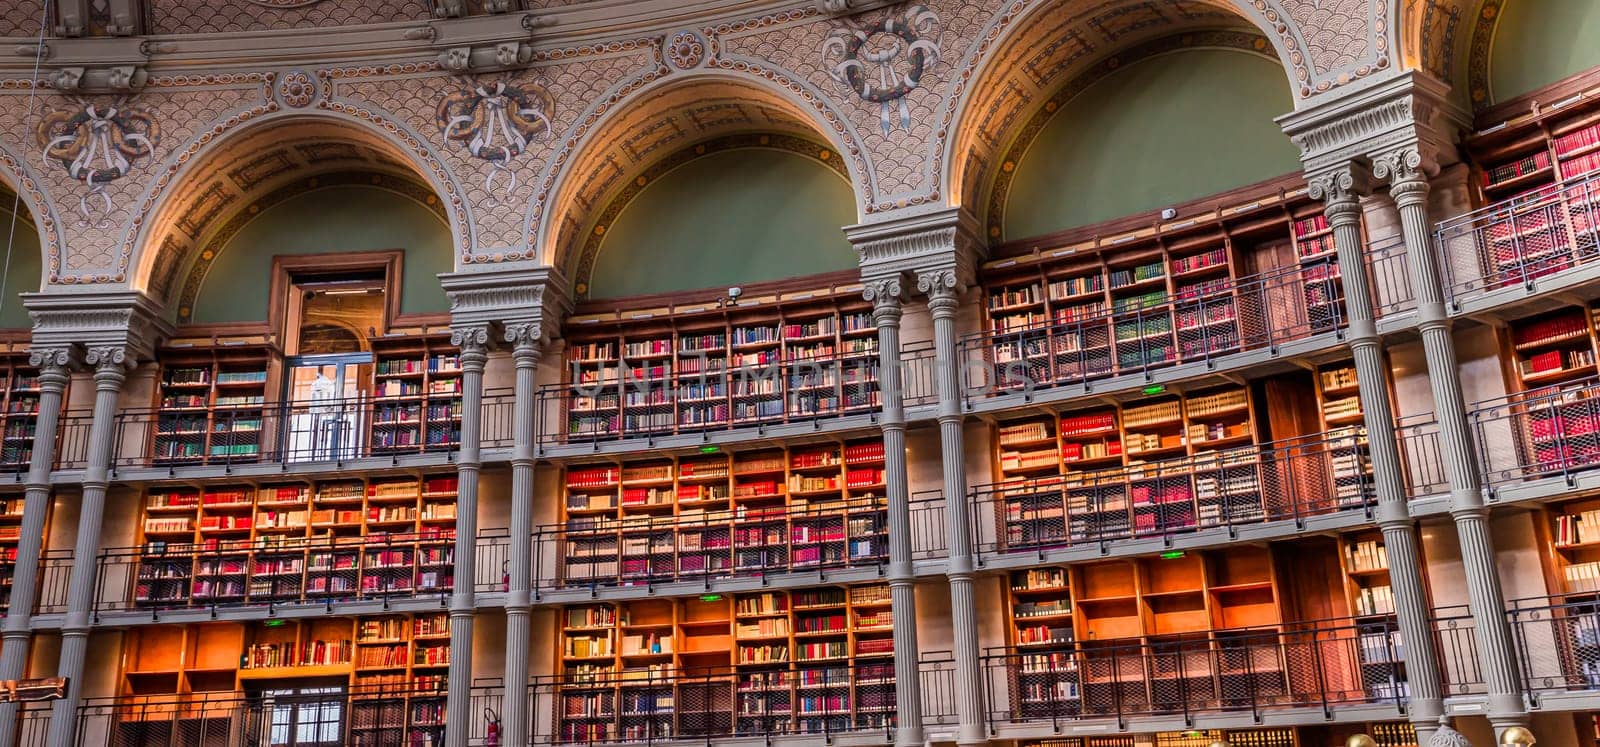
(305, 717)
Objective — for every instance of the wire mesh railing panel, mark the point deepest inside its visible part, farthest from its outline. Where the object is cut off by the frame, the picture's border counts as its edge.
(1558, 642)
(1539, 433)
(1521, 240)
(1389, 276)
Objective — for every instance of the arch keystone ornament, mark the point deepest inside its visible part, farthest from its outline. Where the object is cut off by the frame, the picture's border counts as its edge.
(496, 121)
(97, 145)
(687, 49)
(884, 62)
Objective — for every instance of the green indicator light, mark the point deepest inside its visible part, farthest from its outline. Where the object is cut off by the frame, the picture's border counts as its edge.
(709, 450)
(1172, 555)
(275, 623)
(1155, 389)
(710, 597)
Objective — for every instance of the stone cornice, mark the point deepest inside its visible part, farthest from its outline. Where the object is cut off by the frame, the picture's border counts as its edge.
(92, 320)
(514, 298)
(936, 247)
(1410, 109)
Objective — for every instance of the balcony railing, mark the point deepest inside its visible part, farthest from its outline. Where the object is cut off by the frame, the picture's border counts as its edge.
(321, 715)
(1256, 312)
(1520, 240)
(322, 571)
(746, 542)
(1389, 277)
(1254, 670)
(817, 700)
(1293, 479)
(299, 431)
(1558, 642)
(1551, 432)
(655, 401)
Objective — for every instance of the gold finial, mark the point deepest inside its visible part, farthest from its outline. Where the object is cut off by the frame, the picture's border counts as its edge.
(1517, 736)
(1360, 740)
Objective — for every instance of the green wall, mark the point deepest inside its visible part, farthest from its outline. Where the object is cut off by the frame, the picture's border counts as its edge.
(328, 221)
(26, 269)
(1539, 42)
(731, 217)
(1160, 131)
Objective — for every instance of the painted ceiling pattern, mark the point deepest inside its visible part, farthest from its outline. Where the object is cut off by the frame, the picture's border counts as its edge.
(918, 100)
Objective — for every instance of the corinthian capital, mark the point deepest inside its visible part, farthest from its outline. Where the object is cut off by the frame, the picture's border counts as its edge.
(52, 357)
(884, 291)
(1404, 164)
(1344, 183)
(473, 339)
(109, 356)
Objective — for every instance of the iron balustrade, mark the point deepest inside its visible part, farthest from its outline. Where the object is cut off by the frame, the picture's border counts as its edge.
(1293, 479)
(626, 400)
(360, 715)
(601, 552)
(646, 706)
(279, 573)
(1256, 312)
(1389, 277)
(1557, 640)
(1456, 640)
(1549, 432)
(1252, 670)
(289, 432)
(1518, 241)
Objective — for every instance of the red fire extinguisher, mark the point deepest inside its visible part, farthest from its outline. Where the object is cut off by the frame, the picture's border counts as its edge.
(505, 576)
(491, 737)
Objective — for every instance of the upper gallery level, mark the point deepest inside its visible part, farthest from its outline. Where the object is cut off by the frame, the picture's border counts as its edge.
(286, 229)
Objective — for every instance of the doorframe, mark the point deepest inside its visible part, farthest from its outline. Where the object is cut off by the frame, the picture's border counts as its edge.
(289, 269)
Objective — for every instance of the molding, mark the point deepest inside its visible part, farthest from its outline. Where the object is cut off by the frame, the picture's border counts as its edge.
(96, 320)
(1411, 109)
(514, 298)
(930, 246)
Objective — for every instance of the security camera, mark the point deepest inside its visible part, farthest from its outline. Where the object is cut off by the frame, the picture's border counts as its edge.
(1169, 214)
(735, 292)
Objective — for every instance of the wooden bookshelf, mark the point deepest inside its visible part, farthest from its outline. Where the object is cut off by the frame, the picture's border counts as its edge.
(11, 507)
(798, 507)
(810, 660)
(657, 370)
(416, 394)
(258, 544)
(1118, 297)
(212, 404)
(19, 417)
(394, 666)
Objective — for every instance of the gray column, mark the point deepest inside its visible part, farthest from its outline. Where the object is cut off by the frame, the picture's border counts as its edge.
(1338, 191)
(110, 371)
(35, 505)
(1408, 186)
(514, 713)
(942, 289)
(886, 296)
(473, 342)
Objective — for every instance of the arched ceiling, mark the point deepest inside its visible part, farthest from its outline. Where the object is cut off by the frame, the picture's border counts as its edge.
(1059, 52)
(650, 131)
(251, 172)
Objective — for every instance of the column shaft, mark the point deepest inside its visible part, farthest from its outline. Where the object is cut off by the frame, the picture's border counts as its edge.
(908, 692)
(35, 505)
(1495, 649)
(942, 303)
(519, 595)
(472, 342)
(1394, 515)
(109, 375)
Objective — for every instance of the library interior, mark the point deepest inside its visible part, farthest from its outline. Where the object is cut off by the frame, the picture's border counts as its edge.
(739, 373)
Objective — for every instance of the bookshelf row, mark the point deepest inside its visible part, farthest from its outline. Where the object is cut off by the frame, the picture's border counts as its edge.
(19, 412)
(1223, 288)
(395, 667)
(798, 507)
(1385, 734)
(11, 505)
(258, 544)
(222, 404)
(809, 660)
(717, 366)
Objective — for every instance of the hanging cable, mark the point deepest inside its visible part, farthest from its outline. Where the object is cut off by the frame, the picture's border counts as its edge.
(16, 196)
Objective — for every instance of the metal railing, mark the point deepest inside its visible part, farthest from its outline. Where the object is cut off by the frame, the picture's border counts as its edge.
(591, 552)
(1319, 664)
(814, 699)
(651, 399)
(322, 571)
(1256, 312)
(291, 432)
(1550, 432)
(1520, 240)
(1389, 277)
(369, 716)
(1558, 642)
(1293, 479)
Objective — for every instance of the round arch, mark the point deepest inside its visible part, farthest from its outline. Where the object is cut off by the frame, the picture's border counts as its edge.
(657, 119)
(16, 177)
(1035, 48)
(182, 201)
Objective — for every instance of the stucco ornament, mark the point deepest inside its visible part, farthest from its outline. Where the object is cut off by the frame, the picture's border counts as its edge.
(495, 122)
(97, 145)
(885, 61)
